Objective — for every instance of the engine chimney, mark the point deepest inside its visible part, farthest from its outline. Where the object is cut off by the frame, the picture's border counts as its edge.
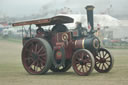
(89, 9)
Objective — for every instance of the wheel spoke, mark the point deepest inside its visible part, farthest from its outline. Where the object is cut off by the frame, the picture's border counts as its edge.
(88, 60)
(32, 46)
(37, 67)
(97, 59)
(107, 64)
(39, 50)
(43, 51)
(82, 55)
(82, 68)
(42, 55)
(99, 65)
(108, 61)
(78, 58)
(97, 62)
(32, 64)
(86, 68)
(36, 47)
(77, 65)
(44, 58)
(100, 55)
(105, 55)
(41, 65)
(34, 67)
(104, 66)
(42, 61)
(29, 51)
(29, 58)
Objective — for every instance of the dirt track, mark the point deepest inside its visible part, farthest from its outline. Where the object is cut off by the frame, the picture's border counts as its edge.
(13, 73)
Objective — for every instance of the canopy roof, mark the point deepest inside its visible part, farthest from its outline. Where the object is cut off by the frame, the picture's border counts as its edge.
(48, 21)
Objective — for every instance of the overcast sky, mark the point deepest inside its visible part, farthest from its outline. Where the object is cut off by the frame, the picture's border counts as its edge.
(28, 7)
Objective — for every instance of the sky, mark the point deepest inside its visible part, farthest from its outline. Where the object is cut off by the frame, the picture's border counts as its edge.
(19, 8)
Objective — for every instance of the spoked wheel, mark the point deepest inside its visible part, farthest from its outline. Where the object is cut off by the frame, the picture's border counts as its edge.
(36, 55)
(62, 68)
(83, 62)
(103, 61)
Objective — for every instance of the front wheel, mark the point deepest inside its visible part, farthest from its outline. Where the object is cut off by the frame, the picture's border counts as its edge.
(83, 62)
(103, 61)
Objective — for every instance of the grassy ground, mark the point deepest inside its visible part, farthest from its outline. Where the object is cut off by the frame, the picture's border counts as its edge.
(13, 73)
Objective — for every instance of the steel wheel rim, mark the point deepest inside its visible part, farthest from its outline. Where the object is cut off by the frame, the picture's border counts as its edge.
(83, 63)
(103, 61)
(34, 57)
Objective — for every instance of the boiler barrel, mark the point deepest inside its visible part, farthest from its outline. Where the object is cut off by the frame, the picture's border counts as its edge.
(87, 43)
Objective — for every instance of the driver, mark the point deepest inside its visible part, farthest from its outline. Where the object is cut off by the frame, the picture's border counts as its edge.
(40, 32)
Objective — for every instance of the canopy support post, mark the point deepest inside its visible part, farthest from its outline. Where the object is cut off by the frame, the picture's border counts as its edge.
(30, 31)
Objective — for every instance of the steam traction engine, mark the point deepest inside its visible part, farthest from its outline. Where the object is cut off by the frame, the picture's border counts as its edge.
(59, 49)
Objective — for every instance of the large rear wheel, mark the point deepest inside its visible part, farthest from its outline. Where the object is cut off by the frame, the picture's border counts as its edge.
(36, 56)
(83, 62)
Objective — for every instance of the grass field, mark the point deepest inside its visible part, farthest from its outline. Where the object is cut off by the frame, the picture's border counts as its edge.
(13, 73)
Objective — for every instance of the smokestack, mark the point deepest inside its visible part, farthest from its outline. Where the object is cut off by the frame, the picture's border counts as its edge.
(89, 9)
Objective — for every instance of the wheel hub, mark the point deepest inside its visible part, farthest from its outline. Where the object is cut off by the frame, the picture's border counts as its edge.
(81, 62)
(102, 60)
(35, 56)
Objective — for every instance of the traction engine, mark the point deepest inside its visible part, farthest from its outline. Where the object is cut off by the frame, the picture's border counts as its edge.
(60, 48)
